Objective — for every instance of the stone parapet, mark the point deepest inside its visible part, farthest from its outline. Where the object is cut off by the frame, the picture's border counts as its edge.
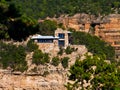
(48, 47)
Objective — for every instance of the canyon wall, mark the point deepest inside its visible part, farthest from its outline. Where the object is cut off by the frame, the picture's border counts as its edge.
(105, 27)
(40, 77)
(53, 81)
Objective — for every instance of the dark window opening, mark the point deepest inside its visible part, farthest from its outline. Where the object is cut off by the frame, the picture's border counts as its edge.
(61, 35)
(61, 43)
(45, 40)
(69, 38)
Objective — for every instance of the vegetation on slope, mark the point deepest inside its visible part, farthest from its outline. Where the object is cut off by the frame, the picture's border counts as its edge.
(95, 71)
(47, 27)
(31, 46)
(12, 56)
(55, 61)
(93, 44)
(17, 26)
(40, 58)
(14, 25)
(64, 62)
(44, 8)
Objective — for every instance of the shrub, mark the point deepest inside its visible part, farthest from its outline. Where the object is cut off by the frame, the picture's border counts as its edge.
(31, 46)
(47, 27)
(65, 62)
(105, 75)
(40, 58)
(61, 51)
(93, 44)
(55, 61)
(13, 56)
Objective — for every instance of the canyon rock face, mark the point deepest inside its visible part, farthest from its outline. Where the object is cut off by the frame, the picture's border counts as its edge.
(41, 77)
(53, 81)
(105, 27)
(83, 22)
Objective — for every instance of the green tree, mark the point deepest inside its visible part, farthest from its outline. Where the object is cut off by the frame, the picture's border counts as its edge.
(22, 27)
(61, 51)
(69, 50)
(31, 46)
(47, 27)
(55, 61)
(40, 58)
(13, 56)
(93, 44)
(64, 62)
(14, 24)
(13, 11)
(3, 32)
(54, 8)
(94, 69)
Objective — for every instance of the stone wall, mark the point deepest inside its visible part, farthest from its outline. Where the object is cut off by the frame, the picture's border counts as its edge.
(66, 38)
(49, 47)
(53, 47)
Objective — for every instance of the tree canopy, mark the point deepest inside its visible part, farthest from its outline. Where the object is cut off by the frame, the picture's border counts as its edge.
(47, 27)
(40, 58)
(44, 8)
(13, 57)
(95, 71)
(94, 44)
(13, 24)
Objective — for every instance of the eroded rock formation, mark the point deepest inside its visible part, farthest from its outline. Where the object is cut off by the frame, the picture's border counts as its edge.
(105, 27)
(41, 77)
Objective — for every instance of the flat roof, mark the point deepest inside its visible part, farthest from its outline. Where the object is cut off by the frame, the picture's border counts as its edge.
(44, 37)
(69, 32)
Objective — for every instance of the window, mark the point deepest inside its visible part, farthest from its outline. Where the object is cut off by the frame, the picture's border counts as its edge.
(61, 43)
(45, 40)
(61, 35)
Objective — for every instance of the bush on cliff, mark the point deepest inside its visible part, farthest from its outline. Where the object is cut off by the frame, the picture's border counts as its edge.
(13, 56)
(64, 62)
(40, 58)
(31, 46)
(94, 70)
(93, 44)
(69, 50)
(55, 61)
(47, 27)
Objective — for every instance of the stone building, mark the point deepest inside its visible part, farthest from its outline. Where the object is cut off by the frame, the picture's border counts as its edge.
(64, 37)
(46, 43)
(52, 43)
